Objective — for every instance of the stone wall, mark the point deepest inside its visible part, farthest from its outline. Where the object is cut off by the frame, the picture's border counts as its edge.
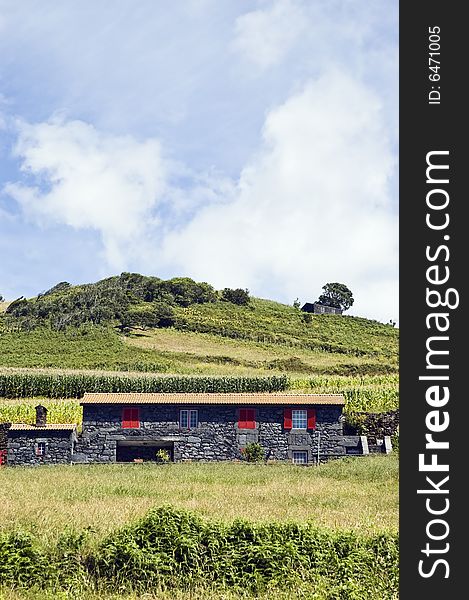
(375, 425)
(217, 436)
(22, 447)
(4, 427)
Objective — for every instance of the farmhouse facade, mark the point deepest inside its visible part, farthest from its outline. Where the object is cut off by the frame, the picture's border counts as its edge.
(135, 427)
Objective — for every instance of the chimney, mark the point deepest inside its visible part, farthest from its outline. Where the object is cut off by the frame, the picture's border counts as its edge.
(41, 416)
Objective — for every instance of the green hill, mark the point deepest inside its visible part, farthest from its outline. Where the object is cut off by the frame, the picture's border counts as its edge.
(136, 323)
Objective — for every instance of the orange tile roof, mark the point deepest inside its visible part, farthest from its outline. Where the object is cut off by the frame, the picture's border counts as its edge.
(48, 427)
(212, 398)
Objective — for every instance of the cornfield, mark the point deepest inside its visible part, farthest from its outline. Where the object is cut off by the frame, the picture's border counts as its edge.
(367, 393)
(58, 411)
(372, 393)
(67, 385)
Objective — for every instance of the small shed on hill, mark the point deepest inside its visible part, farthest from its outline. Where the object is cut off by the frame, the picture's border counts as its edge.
(320, 309)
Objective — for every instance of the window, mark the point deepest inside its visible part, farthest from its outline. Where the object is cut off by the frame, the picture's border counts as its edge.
(188, 419)
(40, 449)
(247, 418)
(299, 419)
(130, 418)
(300, 457)
(296, 418)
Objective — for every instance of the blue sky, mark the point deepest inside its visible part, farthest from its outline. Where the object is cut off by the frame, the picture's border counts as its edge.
(247, 144)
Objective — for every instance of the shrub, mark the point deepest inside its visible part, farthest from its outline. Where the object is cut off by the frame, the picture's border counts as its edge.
(178, 547)
(21, 562)
(162, 456)
(292, 364)
(186, 291)
(179, 550)
(59, 287)
(148, 315)
(253, 452)
(237, 296)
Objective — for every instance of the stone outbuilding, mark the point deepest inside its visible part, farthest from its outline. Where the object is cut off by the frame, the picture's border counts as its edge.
(316, 308)
(40, 443)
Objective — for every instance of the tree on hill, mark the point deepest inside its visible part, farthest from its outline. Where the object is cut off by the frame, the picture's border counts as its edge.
(1, 298)
(150, 315)
(337, 295)
(237, 296)
(185, 291)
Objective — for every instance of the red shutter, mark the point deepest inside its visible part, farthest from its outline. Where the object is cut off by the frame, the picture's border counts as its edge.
(242, 418)
(287, 422)
(311, 418)
(247, 418)
(126, 417)
(130, 418)
(250, 419)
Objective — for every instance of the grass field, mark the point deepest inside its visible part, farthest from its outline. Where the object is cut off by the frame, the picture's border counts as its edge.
(359, 494)
(354, 500)
(197, 594)
(265, 320)
(305, 592)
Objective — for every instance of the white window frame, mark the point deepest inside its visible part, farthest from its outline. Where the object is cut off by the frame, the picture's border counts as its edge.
(191, 418)
(297, 460)
(40, 448)
(299, 420)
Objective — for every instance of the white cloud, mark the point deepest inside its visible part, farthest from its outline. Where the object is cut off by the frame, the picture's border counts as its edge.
(265, 36)
(87, 179)
(315, 203)
(314, 206)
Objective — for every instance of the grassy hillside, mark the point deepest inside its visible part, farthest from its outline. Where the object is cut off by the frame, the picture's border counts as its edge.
(211, 338)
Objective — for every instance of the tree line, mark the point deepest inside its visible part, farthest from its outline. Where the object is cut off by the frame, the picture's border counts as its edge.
(127, 300)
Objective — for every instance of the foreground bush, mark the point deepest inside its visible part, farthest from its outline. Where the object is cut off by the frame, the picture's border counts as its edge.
(176, 549)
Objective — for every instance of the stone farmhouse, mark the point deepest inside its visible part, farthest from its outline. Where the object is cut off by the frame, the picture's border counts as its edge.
(133, 427)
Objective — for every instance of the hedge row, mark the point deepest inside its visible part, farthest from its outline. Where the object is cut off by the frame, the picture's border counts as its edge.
(27, 385)
(176, 549)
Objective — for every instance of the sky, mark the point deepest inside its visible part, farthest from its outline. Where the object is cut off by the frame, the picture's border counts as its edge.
(248, 144)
